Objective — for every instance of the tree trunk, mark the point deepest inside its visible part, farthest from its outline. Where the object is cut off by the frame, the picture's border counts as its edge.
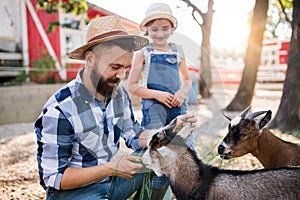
(288, 115)
(205, 80)
(245, 92)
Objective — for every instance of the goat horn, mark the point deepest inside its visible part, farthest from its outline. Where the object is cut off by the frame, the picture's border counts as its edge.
(243, 114)
(255, 114)
(227, 117)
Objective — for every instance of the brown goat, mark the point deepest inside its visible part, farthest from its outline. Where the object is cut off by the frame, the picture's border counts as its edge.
(247, 135)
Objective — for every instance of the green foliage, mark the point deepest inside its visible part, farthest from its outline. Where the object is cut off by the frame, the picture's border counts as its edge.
(279, 19)
(20, 79)
(52, 25)
(76, 7)
(43, 69)
(43, 63)
(285, 3)
(212, 157)
(146, 186)
(49, 5)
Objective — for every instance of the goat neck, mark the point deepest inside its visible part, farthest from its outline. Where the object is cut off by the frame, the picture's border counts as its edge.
(178, 174)
(274, 152)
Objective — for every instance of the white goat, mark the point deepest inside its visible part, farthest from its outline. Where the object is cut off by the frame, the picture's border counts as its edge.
(247, 135)
(190, 178)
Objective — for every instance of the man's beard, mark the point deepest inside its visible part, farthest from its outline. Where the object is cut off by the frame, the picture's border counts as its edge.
(102, 85)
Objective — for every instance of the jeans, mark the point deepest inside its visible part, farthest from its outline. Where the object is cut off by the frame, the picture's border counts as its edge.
(116, 189)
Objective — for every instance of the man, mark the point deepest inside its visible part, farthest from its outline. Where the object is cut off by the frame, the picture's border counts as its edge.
(79, 130)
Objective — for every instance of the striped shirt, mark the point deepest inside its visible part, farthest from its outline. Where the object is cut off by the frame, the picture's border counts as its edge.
(77, 130)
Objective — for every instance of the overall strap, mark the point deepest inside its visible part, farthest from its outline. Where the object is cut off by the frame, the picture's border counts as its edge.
(173, 47)
(174, 50)
(150, 49)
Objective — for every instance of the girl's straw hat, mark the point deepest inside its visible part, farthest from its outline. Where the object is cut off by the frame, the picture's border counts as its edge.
(158, 11)
(105, 29)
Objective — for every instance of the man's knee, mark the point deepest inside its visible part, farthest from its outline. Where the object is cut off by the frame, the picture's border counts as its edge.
(160, 182)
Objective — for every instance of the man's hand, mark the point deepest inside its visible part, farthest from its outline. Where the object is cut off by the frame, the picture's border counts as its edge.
(182, 120)
(126, 166)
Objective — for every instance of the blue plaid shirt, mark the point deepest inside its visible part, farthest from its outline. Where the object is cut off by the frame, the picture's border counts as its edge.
(77, 130)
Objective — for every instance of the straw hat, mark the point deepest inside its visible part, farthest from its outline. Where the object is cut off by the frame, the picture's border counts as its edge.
(158, 11)
(105, 29)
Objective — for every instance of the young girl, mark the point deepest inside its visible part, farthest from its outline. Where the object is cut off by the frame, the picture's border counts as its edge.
(166, 80)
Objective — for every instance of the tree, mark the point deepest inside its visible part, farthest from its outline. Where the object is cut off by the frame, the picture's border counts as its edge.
(205, 80)
(287, 117)
(279, 20)
(245, 91)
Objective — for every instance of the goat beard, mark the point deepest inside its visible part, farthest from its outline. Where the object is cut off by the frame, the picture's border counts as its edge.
(103, 86)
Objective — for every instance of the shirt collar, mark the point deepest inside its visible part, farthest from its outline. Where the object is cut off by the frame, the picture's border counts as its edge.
(81, 89)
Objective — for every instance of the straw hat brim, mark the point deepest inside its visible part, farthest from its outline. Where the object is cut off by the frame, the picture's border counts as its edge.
(78, 53)
(149, 18)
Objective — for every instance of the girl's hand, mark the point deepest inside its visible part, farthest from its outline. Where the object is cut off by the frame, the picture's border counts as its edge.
(165, 98)
(178, 99)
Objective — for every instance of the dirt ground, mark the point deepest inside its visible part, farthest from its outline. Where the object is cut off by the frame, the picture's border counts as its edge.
(18, 167)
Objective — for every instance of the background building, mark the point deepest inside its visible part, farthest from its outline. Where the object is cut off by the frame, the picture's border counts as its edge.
(27, 46)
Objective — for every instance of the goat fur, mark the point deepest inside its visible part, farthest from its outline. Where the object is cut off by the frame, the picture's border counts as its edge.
(190, 178)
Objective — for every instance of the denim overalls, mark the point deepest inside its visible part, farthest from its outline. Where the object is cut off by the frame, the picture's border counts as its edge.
(163, 75)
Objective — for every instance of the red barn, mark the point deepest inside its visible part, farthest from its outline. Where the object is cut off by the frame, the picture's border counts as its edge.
(274, 60)
(274, 52)
(35, 47)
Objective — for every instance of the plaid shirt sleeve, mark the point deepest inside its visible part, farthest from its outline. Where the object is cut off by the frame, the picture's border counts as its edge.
(54, 139)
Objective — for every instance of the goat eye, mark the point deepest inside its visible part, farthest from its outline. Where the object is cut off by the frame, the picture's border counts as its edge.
(244, 135)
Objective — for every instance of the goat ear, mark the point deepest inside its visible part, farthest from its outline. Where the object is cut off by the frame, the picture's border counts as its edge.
(171, 126)
(265, 119)
(173, 122)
